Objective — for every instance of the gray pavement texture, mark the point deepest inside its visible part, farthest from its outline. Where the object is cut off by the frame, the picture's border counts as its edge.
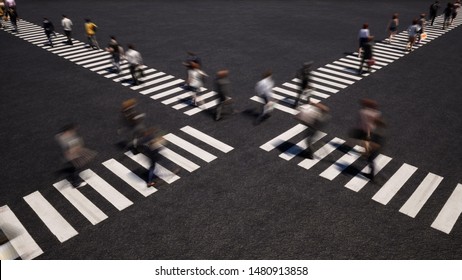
(248, 203)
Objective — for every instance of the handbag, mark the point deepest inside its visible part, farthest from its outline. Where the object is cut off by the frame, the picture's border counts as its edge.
(371, 62)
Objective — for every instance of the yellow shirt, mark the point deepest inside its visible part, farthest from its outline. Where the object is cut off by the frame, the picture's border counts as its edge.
(90, 28)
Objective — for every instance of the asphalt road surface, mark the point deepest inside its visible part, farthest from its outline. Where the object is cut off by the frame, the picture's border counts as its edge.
(239, 194)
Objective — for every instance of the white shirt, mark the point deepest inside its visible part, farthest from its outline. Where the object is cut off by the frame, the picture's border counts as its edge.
(363, 33)
(133, 57)
(195, 78)
(264, 87)
(67, 24)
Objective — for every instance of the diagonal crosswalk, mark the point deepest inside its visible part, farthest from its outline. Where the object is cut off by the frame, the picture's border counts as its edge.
(188, 149)
(333, 77)
(158, 85)
(448, 215)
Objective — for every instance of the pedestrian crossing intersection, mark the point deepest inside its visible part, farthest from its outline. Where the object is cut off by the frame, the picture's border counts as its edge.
(340, 158)
(186, 150)
(156, 84)
(333, 77)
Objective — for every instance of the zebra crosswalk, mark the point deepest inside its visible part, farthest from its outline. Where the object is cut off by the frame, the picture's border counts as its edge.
(159, 86)
(333, 77)
(188, 149)
(448, 215)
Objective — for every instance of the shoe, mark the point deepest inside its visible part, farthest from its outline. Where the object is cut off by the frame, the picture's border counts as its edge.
(151, 184)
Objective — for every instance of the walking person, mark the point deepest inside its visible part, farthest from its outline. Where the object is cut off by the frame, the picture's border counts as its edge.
(76, 155)
(455, 10)
(195, 81)
(433, 12)
(413, 31)
(264, 89)
(421, 22)
(303, 74)
(135, 61)
(131, 124)
(393, 27)
(447, 15)
(223, 90)
(367, 56)
(13, 18)
(152, 143)
(49, 30)
(363, 36)
(370, 132)
(90, 31)
(116, 52)
(314, 117)
(67, 27)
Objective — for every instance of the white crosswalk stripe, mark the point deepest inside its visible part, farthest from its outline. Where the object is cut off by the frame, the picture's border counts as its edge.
(106, 190)
(50, 216)
(80, 202)
(161, 85)
(421, 195)
(394, 184)
(450, 213)
(183, 154)
(23, 244)
(447, 217)
(338, 75)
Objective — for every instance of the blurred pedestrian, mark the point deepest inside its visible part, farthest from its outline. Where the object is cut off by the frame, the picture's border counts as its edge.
(67, 27)
(76, 155)
(433, 11)
(455, 10)
(303, 74)
(3, 13)
(447, 15)
(367, 56)
(131, 124)
(370, 131)
(13, 18)
(90, 31)
(223, 90)
(422, 23)
(49, 30)
(314, 117)
(135, 62)
(363, 36)
(264, 88)
(195, 82)
(393, 27)
(153, 142)
(116, 52)
(413, 32)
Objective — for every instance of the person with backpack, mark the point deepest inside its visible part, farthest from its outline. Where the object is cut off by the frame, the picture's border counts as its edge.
(90, 31)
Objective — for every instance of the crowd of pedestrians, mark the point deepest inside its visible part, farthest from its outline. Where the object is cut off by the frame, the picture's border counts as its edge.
(149, 140)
